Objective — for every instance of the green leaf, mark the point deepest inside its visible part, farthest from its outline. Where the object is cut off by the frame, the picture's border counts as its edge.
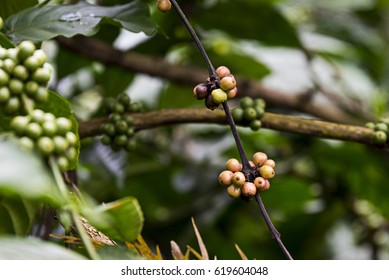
(10, 7)
(117, 253)
(34, 249)
(5, 42)
(17, 215)
(120, 220)
(23, 175)
(257, 20)
(42, 23)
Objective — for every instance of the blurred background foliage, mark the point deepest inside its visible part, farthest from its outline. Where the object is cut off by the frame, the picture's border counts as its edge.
(329, 198)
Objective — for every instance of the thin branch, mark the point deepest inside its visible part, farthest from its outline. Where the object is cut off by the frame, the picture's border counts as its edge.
(158, 67)
(284, 123)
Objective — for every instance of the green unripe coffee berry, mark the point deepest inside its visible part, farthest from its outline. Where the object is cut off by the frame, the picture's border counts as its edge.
(249, 114)
(128, 119)
(72, 138)
(234, 192)
(219, 96)
(120, 140)
(381, 127)
(106, 140)
(135, 107)
(370, 125)
(8, 65)
(26, 144)
(130, 145)
(41, 56)
(238, 179)
(71, 154)
(64, 125)
(49, 117)
(228, 83)
(45, 145)
(237, 114)
(37, 116)
(4, 78)
(32, 63)
(12, 106)
(260, 103)
(249, 189)
(260, 111)
(20, 72)
(16, 86)
(33, 130)
(267, 172)
(130, 132)
(4, 94)
(19, 124)
(124, 99)
(26, 49)
(225, 178)
(41, 75)
(255, 125)
(49, 128)
(109, 129)
(61, 144)
(379, 137)
(114, 117)
(63, 163)
(12, 53)
(42, 95)
(246, 102)
(121, 126)
(31, 87)
(118, 108)
(1, 23)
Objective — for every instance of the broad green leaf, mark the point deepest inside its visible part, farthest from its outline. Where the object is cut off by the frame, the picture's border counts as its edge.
(257, 20)
(10, 7)
(21, 213)
(46, 22)
(120, 220)
(5, 42)
(34, 249)
(117, 253)
(23, 175)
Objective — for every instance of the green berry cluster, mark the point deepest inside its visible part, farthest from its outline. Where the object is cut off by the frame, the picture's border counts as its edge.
(381, 130)
(24, 73)
(118, 132)
(47, 134)
(215, 93)
(250, 112)
(236, 182)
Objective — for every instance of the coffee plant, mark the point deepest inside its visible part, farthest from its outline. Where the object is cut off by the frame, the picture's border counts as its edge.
(119, 135)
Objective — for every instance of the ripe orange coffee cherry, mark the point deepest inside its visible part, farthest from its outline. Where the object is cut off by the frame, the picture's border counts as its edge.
(222, 71)
(259, 158)
(228, 82)
(225, 178)
(233, 165)
(234, 192)
(164, 5)
(249, 189)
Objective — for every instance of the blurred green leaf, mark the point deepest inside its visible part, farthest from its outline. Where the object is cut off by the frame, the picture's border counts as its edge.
(5, 42)
(46, 22)
(117, 253)
(10, 7)
(34, 249)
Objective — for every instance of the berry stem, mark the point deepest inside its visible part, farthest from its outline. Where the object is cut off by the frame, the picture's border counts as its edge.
(211, 69)
(276, 235)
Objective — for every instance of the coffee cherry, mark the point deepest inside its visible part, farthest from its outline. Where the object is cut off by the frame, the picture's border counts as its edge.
(4, 94)
(259, 158)
(135, 107)
(218, 96)
(41, 75)
(246, 102)
(63, 163)
(31, 87)
(222, 71)
(228, 83)
(259, 110)
(381, 127)
(106, 140)
(12, 54)
(4, 78)
(200, 91)
(249, 189)
(370, 125)
(124, 99)
(164, 5)
(238, 179)
(64, 125)
(12, 106)
(267, 172)
(26, 144)
(40, 55)
(120, 140)
(42, 95)
(49, 128)
(33, 130)
(109, 129)
(130, 132)
(232, 93)
(26, 49)
(259, 102)
(379, 137)
(130, 145)
(233, 165)
(209, 103)
(234, 192)
(71, 154)
(128, 119)
(121, 126)
(249, 114)
(237, 114)
(49, 117)
(260, 183)
(72, 138)
(20, 72)
(16, 86)
(32, 63)
(37, 116)
(225, 178)
(19, 124)
(255, 125)
(45, 145)
(114, 117)
(270, 162)
(61, 144)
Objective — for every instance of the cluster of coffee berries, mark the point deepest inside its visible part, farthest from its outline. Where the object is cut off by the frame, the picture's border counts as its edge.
(215, 92)
(47, 134)
(381, 130)
(262, 169)
(164, 5)
(24, 73)
(250, 112)
(118, 132)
